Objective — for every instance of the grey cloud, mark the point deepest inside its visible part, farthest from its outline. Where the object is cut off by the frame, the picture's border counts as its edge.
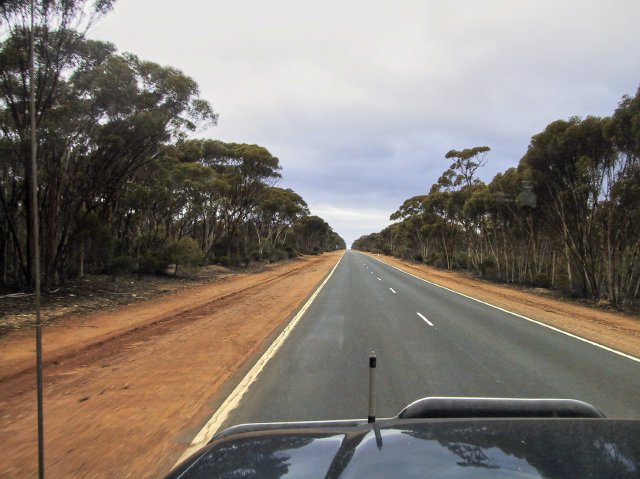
(361, 99)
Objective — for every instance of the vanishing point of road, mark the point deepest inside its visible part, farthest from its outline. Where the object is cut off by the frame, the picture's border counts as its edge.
(429, 341)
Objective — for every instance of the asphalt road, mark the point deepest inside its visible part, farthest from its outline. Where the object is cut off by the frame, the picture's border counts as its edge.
(429, 342)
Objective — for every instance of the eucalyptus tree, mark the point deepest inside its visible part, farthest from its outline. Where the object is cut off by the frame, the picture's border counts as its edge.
(621, 235)
(418, 224)
(275, 213)
(466, 163)
(59, 27)
(243, 174)
(108, 116)
(311, 234)
(163, 201)
(372, 243)
(568, 160)
(514, 233)
(450, 196)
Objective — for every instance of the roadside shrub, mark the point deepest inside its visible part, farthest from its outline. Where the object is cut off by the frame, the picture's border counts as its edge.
(102, 245)
(224, 261)
(70, 271)
(491, 272)
(185, 251)
(562, 283)
(460, 261)
(417, 257)
(245, 261)
(541, 280)
(122, 264)
(153, 262)
(438, 262)
(404, 253)
(488, 269)
(432, 257)
(279, 254)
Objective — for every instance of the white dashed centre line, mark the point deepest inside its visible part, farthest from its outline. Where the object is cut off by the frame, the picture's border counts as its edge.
(379, 279)
(393, 291)
(426, 320)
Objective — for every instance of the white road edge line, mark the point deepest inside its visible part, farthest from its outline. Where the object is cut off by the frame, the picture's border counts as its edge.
(393, 291)
(427, 321)
(233, 400)
(593, 343)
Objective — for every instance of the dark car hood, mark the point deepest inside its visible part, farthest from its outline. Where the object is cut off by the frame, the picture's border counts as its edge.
(523, 448)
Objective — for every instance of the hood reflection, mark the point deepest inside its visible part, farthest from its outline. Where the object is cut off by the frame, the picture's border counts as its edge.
(463, 448)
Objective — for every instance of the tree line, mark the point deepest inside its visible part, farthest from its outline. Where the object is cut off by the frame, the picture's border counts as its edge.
(122, 183)
(567, 217)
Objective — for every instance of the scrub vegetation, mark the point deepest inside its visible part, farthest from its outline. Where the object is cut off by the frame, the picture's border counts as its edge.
(123, 185)
(566, 218)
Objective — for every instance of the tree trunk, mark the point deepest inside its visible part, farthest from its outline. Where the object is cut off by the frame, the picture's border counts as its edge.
(28, 230)
(81, 265)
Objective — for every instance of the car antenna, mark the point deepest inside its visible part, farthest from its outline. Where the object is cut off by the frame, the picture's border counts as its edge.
(372, 387)
(33, 192)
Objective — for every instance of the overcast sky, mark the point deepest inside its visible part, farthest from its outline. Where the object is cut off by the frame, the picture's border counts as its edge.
(360, 100)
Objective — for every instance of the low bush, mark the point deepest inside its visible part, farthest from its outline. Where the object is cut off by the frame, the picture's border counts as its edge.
(563, 283)
(438, 262)
(185, 251)
(153, 262)
(279, 254)
(460, 261)
(223, 261)
(122, 264)
(541, 280)
(488, 269)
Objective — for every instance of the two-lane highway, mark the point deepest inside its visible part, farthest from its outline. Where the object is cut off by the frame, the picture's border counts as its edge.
(429, 342)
